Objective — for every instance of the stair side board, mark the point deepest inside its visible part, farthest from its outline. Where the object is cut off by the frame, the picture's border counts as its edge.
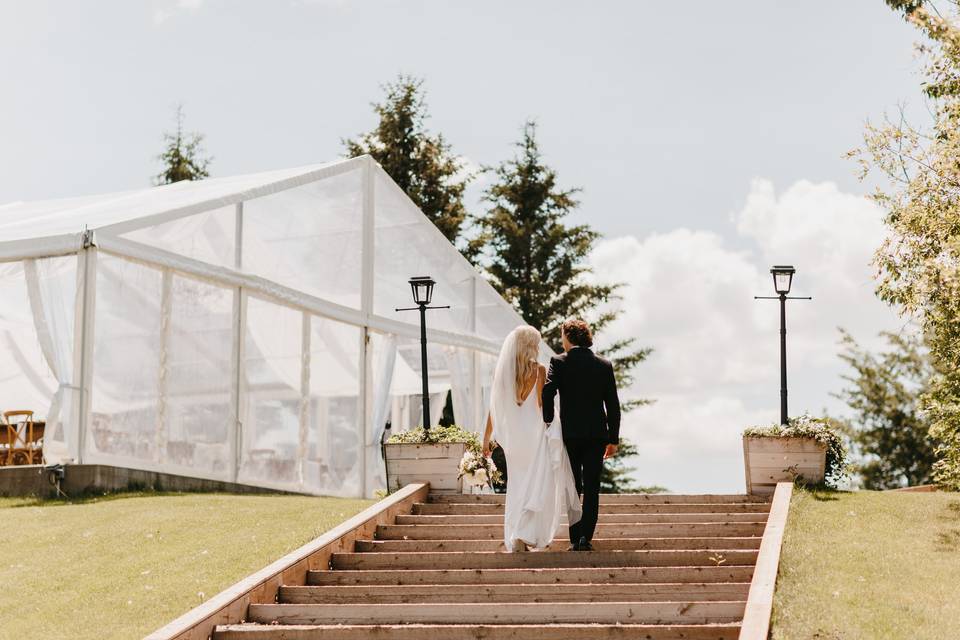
(759, 607)
(231, 605)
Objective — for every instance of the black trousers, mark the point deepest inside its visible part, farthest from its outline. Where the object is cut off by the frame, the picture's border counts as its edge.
(586, 458)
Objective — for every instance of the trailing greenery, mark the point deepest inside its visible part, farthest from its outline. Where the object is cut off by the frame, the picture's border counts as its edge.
(890, 431)
(823, 430)
(183, 157)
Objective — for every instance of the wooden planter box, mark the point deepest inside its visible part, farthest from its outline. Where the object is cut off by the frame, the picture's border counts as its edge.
(768, 461)
(438, 464)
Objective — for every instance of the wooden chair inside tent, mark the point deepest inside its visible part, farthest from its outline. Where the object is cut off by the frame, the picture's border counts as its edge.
(23, 438)
(6, 439)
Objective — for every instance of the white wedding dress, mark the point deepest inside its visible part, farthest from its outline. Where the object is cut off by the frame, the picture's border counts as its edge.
(540, 486)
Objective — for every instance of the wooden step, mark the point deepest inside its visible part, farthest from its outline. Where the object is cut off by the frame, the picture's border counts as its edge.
(476, 509)
(606, 531)
(687, 612)
(587, 575)
(627, 592)
(542, 559)
(729, 631)
(600, 544)
(614, 498)
(605, 518)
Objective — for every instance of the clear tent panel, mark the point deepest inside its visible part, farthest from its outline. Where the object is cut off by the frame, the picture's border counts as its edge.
(332, 458)
(407, 244)
(209, 236)
(460, 363)
(309, 237)
(405, 408)
(198, 377)
(495, 317)
(36, 347)
(272, 376)
(125, 405)
(486, 365)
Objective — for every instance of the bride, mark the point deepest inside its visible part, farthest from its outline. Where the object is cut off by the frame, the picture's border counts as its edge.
(540, 485)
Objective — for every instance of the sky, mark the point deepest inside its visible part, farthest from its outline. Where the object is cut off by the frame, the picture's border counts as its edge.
(709, 139)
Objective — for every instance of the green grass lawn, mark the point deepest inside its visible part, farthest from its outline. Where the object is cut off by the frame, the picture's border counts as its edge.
(122, 566)
(870, 566)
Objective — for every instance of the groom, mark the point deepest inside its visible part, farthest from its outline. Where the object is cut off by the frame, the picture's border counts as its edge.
(589, 416)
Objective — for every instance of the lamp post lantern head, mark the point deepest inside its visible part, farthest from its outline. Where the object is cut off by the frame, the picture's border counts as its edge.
(782, 278)
(422, 288)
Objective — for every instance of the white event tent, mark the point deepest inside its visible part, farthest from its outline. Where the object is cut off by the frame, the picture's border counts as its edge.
(240, 329)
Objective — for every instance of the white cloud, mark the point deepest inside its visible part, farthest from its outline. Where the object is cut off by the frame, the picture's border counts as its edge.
(715, 368)
(329, 4)
(166, 9)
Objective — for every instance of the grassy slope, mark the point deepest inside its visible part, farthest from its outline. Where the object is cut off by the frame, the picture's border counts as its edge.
(870, 566)
(122, 566)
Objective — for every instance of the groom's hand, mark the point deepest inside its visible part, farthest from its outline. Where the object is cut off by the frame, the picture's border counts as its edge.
(610, 452)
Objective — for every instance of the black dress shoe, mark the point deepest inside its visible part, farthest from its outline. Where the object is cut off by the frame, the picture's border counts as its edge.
(583, 545)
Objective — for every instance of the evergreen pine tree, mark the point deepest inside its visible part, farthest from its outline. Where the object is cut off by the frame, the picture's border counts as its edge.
(421, 163)
(183, 157)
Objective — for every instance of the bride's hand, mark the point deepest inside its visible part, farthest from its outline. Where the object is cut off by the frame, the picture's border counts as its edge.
(486, 449)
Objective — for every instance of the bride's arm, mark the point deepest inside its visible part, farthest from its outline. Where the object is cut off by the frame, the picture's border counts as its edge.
(487, 434)
(541, 381)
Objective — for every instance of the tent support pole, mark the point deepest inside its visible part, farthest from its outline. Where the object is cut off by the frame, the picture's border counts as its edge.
(303, 447)
(166, 318)
(477, 416)
(88, 305)
(366, 307)
(239, 326)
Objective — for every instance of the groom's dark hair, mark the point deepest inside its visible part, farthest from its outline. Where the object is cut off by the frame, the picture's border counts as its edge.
(578, 332)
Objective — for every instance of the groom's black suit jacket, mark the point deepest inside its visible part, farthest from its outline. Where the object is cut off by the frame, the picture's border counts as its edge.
(589, 406)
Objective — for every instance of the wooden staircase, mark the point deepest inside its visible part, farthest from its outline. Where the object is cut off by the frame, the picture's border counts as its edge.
(664, 567)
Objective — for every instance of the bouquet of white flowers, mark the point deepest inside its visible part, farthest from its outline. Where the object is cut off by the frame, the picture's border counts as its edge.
(477, 470)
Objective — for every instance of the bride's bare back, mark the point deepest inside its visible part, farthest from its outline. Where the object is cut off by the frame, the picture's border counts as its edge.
(537, 379)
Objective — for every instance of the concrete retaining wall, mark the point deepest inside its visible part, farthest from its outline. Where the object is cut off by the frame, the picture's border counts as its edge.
(84, 479)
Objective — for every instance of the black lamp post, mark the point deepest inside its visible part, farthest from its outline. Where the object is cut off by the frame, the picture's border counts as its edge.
(782, 280)
(422, 289)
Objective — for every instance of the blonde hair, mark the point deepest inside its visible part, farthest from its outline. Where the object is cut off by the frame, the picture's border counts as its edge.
(528, 347)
